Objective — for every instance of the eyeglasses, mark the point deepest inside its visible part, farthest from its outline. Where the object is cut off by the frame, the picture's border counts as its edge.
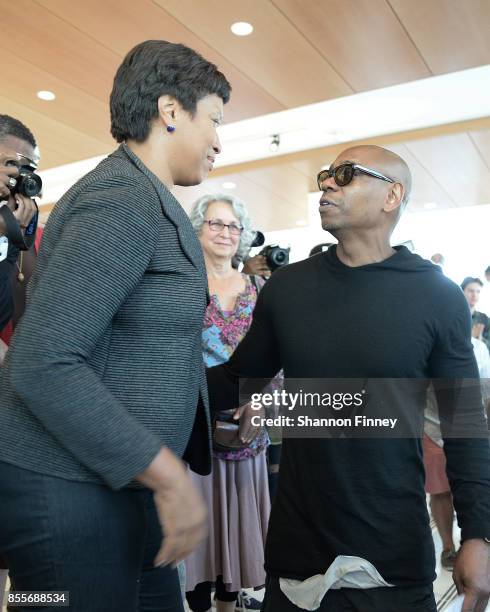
(218, 226)
(344, 173)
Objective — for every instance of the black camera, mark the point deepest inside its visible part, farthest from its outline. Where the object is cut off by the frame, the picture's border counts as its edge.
(28, 183)
(275, 256)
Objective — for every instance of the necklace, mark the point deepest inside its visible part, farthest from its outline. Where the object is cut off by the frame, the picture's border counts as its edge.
(20, 275)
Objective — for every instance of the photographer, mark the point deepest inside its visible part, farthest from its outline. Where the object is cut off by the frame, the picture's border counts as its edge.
(17, 148)
(269, 259)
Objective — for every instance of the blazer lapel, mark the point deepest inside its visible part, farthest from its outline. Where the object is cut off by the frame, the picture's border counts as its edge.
(187, 236)
(175, 213)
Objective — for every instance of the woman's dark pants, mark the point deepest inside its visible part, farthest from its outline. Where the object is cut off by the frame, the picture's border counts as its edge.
(98, 544)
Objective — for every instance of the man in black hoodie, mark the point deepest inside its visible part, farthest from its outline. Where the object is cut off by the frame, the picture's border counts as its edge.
(364, 310)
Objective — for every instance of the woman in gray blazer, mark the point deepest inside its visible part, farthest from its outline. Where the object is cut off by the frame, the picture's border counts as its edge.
(103, 389)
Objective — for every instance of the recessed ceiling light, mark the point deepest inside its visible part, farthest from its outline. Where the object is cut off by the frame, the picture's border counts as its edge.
(242, 28)
(229, 185)
(430, 205)
(46, 95)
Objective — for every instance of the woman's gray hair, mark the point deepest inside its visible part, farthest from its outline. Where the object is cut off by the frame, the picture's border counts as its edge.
(201, 205)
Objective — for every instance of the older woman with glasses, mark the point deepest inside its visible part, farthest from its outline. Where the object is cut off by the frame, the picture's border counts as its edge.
(237, 492)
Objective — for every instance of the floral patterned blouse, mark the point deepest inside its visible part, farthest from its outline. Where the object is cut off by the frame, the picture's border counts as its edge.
(221, 334)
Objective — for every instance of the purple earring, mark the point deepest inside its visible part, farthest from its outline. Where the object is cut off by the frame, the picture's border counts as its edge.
(170, 128)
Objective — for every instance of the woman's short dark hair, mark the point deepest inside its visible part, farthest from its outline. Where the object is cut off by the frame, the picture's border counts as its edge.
(156, 68)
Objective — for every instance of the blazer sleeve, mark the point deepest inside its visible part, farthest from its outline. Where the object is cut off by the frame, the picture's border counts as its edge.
(101, 257)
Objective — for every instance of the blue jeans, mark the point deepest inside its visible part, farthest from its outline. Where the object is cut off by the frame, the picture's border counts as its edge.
(98, 544)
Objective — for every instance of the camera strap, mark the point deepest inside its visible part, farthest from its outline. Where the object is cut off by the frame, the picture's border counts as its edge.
(22, 240)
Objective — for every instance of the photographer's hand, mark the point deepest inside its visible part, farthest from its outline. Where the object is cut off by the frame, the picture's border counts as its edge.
(22, 207)
(256, 265)
(6, 174)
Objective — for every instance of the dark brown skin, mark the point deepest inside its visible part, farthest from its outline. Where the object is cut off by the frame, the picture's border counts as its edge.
(362, 216)
(23, 208)
(256, 265)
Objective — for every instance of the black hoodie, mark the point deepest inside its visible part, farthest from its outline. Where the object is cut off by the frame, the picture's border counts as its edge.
(397, 319)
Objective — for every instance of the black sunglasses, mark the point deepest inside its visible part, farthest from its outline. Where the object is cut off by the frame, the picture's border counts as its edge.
(344, 173)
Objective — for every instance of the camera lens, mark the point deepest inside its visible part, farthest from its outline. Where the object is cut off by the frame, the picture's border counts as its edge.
(279, 257)
(29, 184)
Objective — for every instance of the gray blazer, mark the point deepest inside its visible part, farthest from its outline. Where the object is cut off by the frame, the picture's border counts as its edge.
(106, 366)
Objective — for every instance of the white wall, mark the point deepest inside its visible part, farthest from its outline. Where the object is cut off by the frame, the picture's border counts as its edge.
(461, 234)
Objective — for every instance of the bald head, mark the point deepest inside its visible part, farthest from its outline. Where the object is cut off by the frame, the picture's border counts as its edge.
(384, 161)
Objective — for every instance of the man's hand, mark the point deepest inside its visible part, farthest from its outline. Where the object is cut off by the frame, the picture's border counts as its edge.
(180, 508)
(247, 431)
(256, 266)
(23, 208)
(7, 173)
(471, 574)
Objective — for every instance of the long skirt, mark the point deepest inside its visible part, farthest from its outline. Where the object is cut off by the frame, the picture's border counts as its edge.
(237, 498)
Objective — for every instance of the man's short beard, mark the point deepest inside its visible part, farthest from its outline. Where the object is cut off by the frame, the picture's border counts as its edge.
(330, 227)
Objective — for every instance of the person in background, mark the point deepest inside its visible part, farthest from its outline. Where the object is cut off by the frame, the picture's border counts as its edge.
(438, 259)
(256, 266)
(236, 492)
(17, 147)
(480, 331)
(436, 481)
(103, 389)
(480, 322)
(484, 303)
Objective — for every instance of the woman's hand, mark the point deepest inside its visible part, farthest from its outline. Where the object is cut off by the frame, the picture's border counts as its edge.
(180, 508)
(248, 431)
